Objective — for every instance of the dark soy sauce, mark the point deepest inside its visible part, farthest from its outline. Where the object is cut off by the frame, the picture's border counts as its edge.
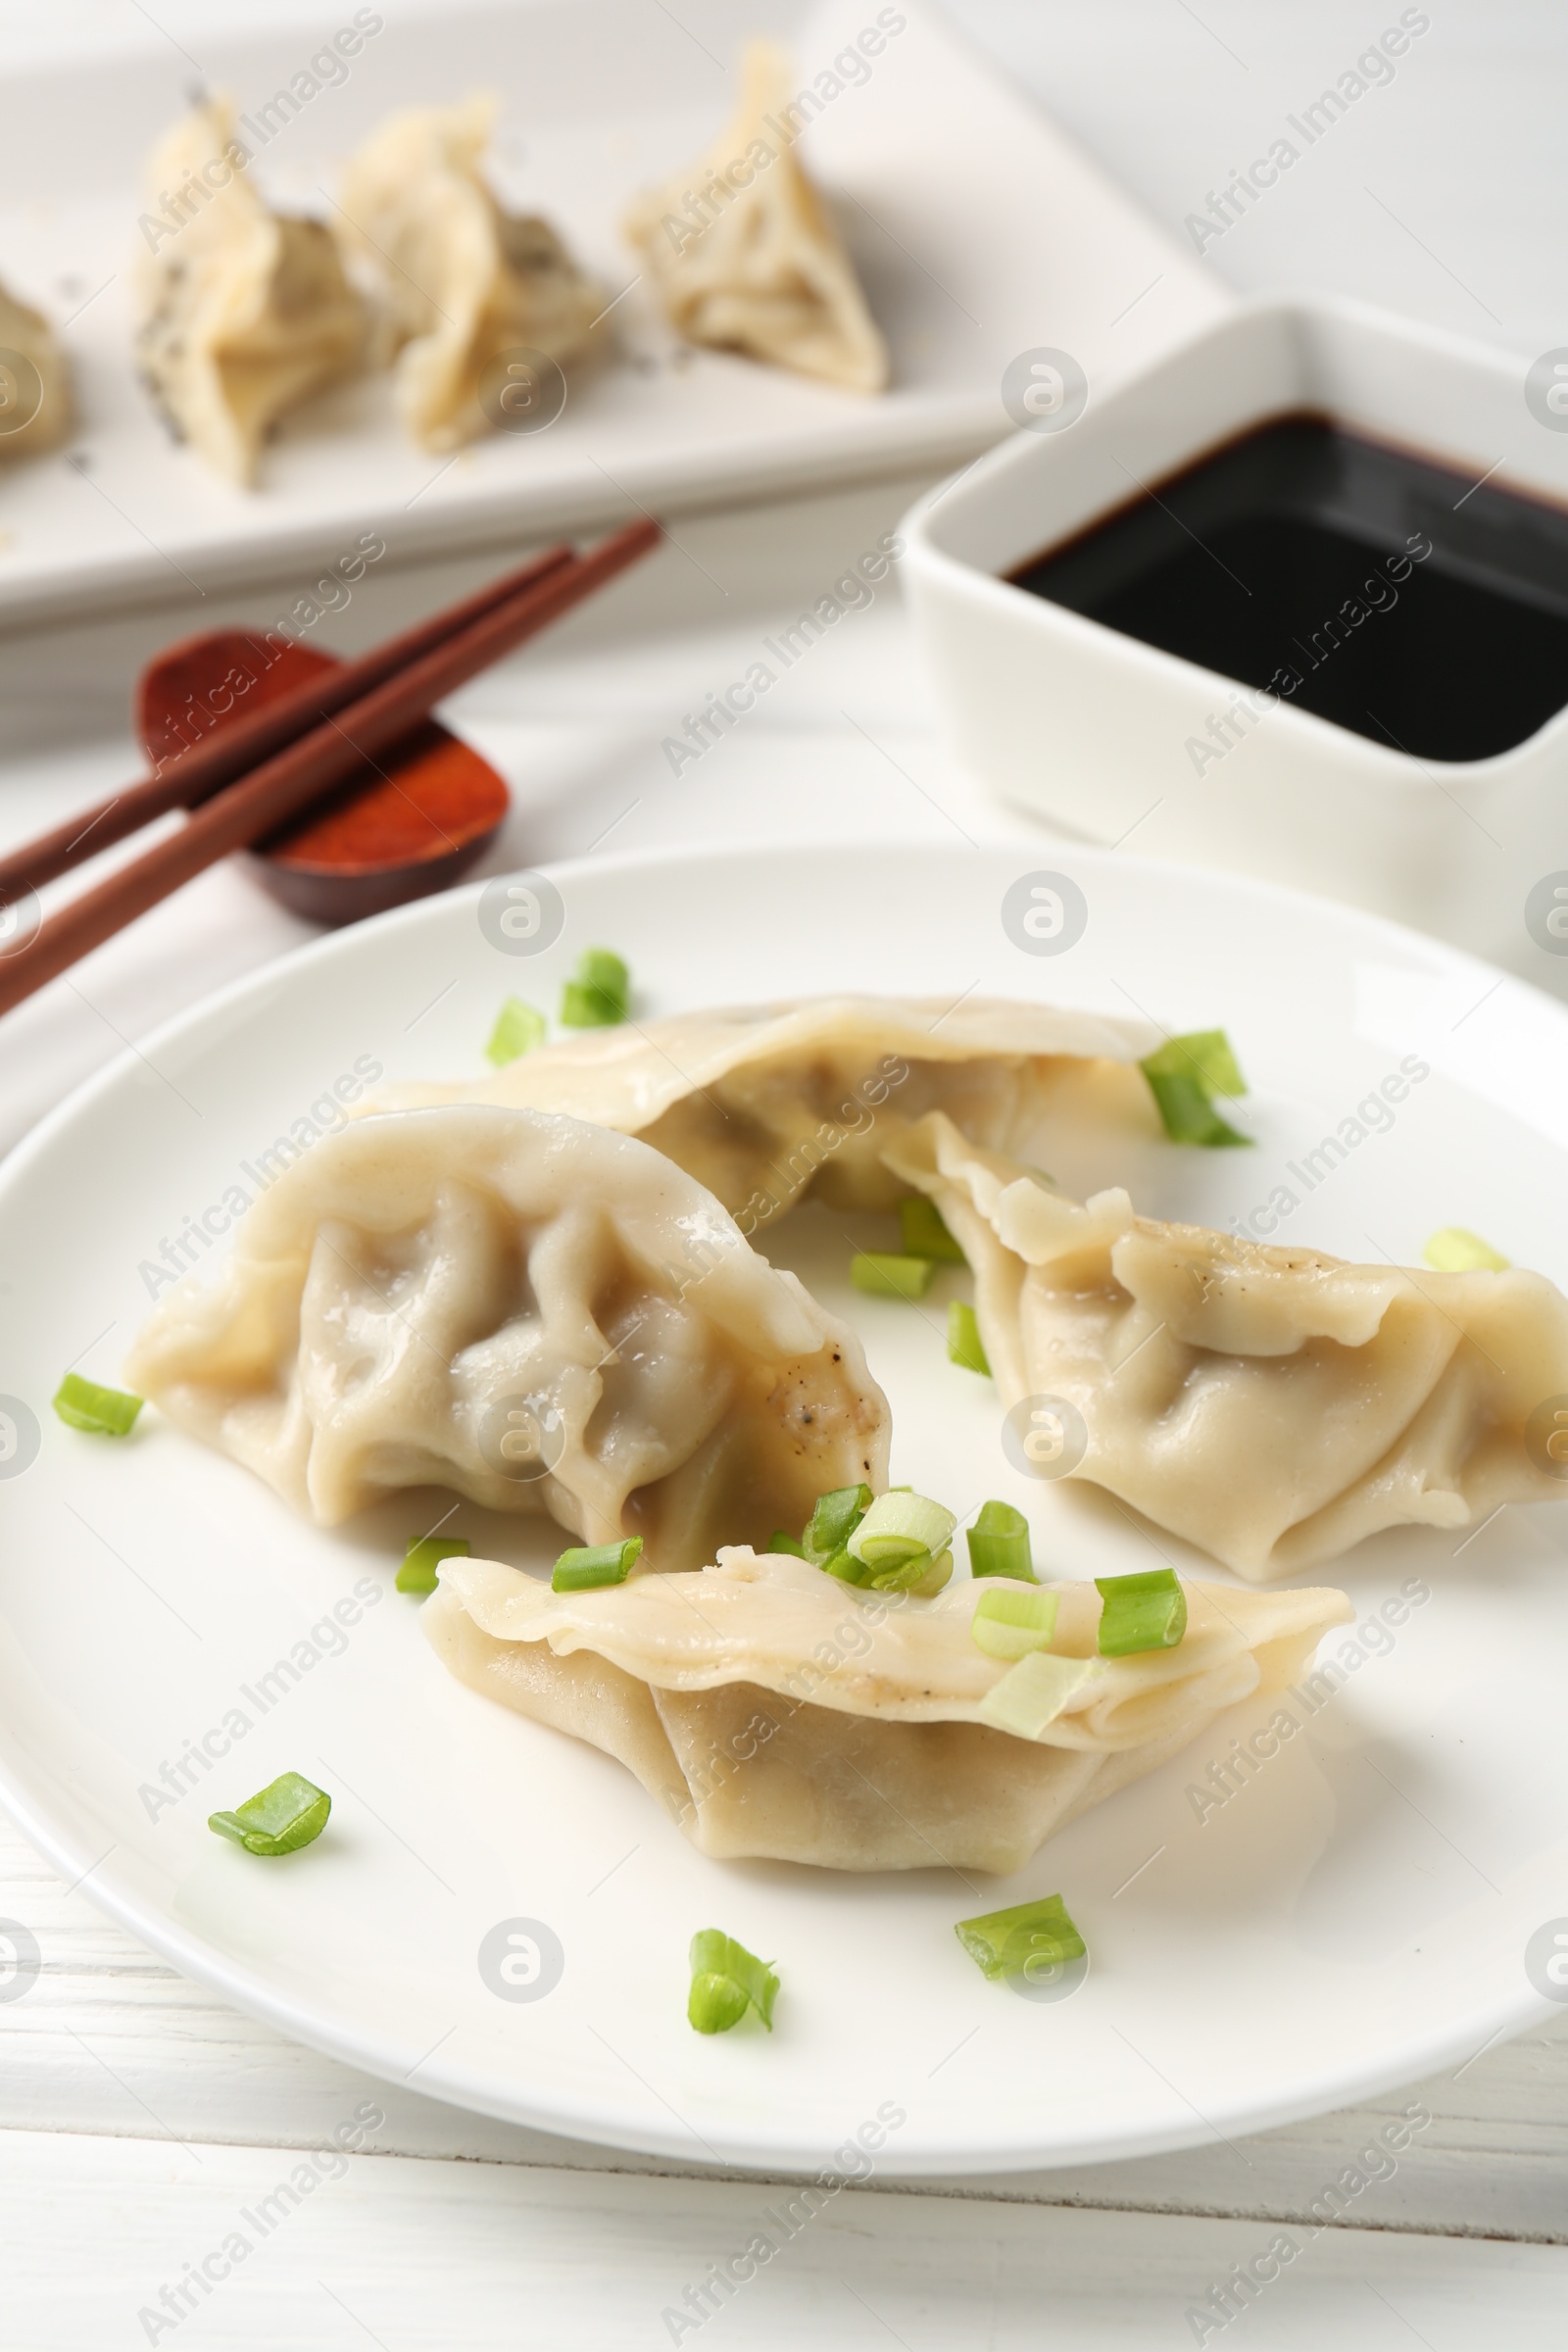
(1404, 603)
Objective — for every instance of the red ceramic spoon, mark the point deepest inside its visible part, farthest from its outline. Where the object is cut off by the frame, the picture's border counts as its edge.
(400, 828)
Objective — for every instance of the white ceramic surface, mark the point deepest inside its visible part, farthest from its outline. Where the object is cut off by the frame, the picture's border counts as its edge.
(1354, 1917)
(920, 146)
(1094, 729)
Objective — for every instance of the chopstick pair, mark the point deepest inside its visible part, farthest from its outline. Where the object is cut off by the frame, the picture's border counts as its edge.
(255, 776)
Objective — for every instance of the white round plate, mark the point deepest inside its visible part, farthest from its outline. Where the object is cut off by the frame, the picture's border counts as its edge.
(1355, 1913)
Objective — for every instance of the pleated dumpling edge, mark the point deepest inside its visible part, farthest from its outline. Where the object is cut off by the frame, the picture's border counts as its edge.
(777, 1713)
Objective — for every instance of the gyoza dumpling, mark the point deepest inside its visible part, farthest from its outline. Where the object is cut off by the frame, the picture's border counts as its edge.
(539, 1314)
(245, 312)
(1271, 1405)
(742, 252)
(462, 280)
(775, 1712)
(34, 397)
(767, 1102)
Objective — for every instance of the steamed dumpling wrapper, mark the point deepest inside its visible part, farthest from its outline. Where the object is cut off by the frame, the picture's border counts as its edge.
(536, 1313)
(1271, 1405)
(245, 312)
(776, 1712)
(765, 1104)
(462, 280)
(34, 398)
(743, 253)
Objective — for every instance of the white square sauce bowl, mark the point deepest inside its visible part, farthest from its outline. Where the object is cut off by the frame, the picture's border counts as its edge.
(1451, 816)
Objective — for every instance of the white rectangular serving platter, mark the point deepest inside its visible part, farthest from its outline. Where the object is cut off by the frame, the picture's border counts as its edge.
(978, 229)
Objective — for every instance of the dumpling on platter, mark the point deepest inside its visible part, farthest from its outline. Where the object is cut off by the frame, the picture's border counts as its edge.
(539, 1314)
(743, 254)
(775, 1712)
(244, 311)
(34, 389)
(1271, 1405)
(463, 281)
(770, 1103)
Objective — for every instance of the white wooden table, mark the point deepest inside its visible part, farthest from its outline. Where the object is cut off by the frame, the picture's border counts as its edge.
(140, 2116)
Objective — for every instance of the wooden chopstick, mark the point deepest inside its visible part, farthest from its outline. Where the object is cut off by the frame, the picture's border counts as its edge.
(307, 769)
(232, 751)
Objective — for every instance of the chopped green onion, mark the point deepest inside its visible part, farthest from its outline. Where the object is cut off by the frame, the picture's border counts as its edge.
(726, 1981)
(1184, 1077)
(582, 1567)
(900, 1528)
(599, 996)
(908, 1570)
(1189, 1116)
(919, 1573)
(965, 1347)
(417, 1573)
(1010, 1621)
(1005, 1943)
(835, 1519)
(1147, 1611)
(715, 2002)
(924, 1582)
(1032, 1694)
(999, 1544)
(886, 1275)
(519, 1029)
(277, 1820)
(779, 1541)
(1457, 1250)
(1205, 1054)
(106, 1412)
(924, 1233)
(900, 1562)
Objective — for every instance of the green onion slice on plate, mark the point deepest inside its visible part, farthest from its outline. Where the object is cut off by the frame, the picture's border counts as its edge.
(1005, 1944)
(1145, 1611)
(924, 1233)
(423, 1557)
(726, 1981)
(965, 1347)
(582, 1567)
(106, 1412)
(884, 1274)
(999, 1544)
(1184, 1077)
(600, 995)
(518, 1028)
(277, 1820)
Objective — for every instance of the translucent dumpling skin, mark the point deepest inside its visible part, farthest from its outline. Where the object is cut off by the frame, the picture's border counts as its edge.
(769, 1104)
(460, 280)
(534, 1312)
(244, 311)
(1273, 1407)
(34, 389)
(743, 253)
(777, 1713)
